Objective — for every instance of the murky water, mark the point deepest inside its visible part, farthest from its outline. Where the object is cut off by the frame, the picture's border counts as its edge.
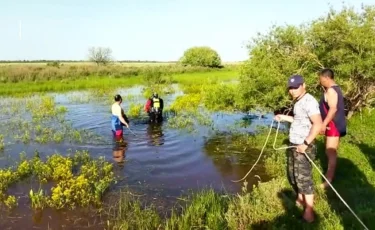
(154, 160)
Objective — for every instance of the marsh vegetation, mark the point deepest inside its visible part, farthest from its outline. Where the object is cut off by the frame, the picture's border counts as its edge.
(58, 156)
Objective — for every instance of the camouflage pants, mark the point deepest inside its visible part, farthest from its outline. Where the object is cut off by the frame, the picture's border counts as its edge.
(299, 170)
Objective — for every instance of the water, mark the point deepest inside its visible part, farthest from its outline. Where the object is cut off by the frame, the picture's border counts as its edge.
(157, 161)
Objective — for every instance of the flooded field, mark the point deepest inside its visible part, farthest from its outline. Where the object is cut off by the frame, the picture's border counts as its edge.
(155, 161)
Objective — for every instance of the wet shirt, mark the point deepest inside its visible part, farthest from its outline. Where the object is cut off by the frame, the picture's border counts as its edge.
(301, 125)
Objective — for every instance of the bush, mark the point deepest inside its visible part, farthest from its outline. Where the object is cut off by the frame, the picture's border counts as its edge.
(341, 41)
(201, 56)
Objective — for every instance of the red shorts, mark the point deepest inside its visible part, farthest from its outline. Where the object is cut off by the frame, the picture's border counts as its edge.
(117, 132)
(331, 130)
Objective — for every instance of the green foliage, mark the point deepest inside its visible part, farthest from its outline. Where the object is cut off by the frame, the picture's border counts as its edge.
(66, 73)
(186, 103)
(135, 110)
(155, 76)
(80, 180)
(201, 56)
(187, 112)
(129, 214)
(206, 211)
(47, 125)
(341, 41)
(38, 200)
(54, 64)
(344, 41)
(10, 202)
(220, 97)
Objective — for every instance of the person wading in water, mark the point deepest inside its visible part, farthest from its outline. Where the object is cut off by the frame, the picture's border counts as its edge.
(332, 108)
(306, 124)
(118, 118)
(154, 108)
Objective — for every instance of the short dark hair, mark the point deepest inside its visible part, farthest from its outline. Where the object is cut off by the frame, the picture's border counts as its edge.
(327, 73)
(118, 97)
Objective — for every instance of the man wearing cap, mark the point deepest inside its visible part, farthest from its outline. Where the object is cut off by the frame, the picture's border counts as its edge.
(118, 117)
(306, 124)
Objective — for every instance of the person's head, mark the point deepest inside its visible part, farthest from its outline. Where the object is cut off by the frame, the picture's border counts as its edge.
(155, 95)
(118, 98)
(296, 86)
(326, 77)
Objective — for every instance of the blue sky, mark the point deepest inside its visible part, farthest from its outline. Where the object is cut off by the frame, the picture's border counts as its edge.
(145, 29)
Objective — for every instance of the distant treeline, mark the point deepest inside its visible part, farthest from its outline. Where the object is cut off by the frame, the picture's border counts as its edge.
(62, 61)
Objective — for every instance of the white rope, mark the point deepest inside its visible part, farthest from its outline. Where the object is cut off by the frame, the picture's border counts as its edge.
(260, 155)
(131, 131)
(288, 147)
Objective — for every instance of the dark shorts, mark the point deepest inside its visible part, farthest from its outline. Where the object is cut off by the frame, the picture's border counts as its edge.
(299, 170)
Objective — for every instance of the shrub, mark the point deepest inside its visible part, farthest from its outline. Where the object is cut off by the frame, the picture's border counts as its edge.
(201, 56)
(341, 41)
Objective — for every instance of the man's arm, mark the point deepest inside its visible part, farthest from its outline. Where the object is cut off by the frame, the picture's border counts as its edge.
(317, 123)
(281, 117)
(332, 99)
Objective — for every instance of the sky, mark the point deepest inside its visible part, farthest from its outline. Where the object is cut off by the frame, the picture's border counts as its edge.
(145, 29)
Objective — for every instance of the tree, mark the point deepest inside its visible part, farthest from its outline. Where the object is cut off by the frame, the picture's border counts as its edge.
(201, 56)
(345, 41)
(100, 55)
(342, 41)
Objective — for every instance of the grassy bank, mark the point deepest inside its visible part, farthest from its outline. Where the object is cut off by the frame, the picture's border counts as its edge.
(31, 73)
(107, 81)
(271, 204)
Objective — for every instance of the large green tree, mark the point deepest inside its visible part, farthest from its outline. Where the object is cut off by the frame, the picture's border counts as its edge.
(201, 56)
(343, 41)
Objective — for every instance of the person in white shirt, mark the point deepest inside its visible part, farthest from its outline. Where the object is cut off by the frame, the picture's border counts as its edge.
(118, 117)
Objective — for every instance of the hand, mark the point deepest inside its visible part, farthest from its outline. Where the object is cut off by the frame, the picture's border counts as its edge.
(301, 148)
(323, 130)
(126, 124)
(279, 117)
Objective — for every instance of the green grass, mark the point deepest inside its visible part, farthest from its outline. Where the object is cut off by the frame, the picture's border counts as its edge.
(270, 205)
(96, 82)
(206, 77)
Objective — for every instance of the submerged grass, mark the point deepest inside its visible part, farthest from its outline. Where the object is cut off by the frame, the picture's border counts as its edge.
(41, 120)
(271, 204)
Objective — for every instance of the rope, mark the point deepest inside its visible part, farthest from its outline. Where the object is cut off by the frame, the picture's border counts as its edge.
(261, 152)
(132, 132)
(260, 155)
(288, 147)
(343, 201)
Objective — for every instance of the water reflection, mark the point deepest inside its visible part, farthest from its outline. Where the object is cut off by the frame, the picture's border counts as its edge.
(232, 157)
(119, 149)
(155, 134)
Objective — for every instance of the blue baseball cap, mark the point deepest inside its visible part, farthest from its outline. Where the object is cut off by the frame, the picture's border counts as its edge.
(295, 81)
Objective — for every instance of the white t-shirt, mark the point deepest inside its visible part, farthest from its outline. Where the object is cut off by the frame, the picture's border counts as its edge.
(301, 125)
(116, 110)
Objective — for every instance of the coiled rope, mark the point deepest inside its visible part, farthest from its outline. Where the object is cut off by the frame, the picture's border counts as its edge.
(288, 147)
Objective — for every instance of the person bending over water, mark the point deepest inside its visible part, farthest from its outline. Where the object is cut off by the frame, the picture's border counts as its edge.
(118, 119)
